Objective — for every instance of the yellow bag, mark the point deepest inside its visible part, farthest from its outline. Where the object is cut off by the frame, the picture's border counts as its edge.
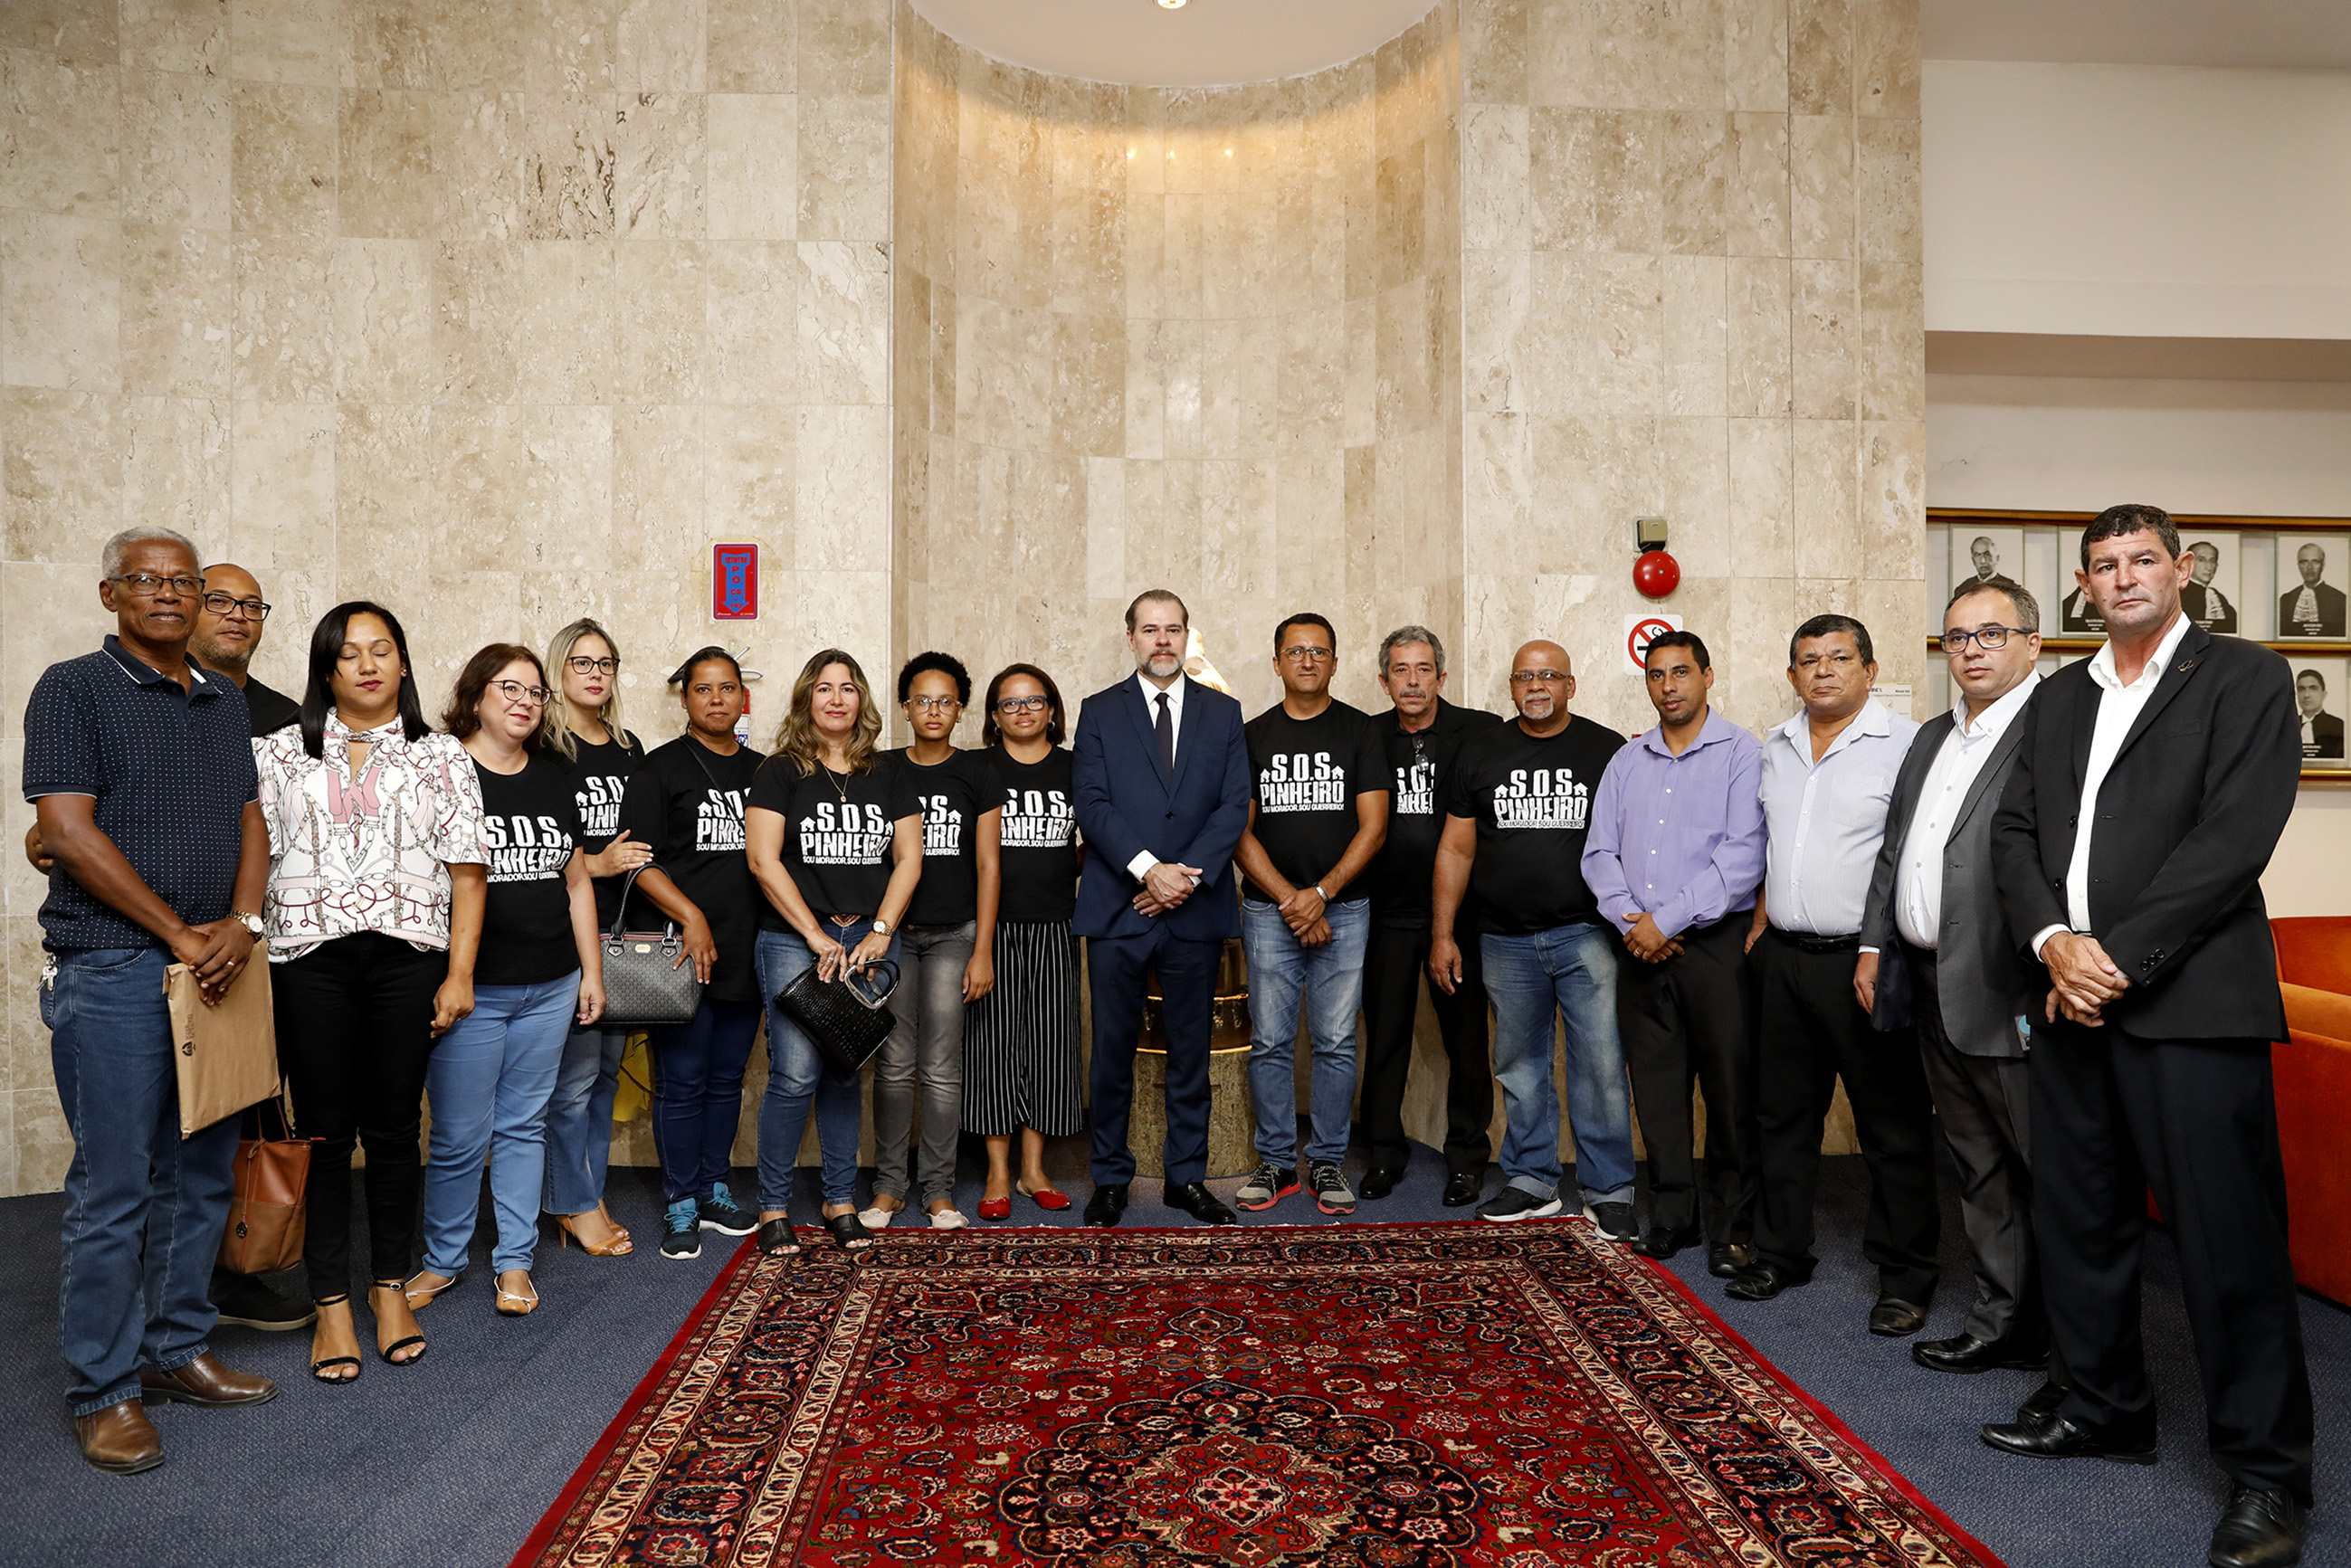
(636, 1091)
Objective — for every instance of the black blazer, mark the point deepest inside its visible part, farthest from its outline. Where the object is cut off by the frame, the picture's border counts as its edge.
(2330, 610)
(2186, 819)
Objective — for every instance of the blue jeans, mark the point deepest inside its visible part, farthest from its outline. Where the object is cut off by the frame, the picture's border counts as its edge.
(144, 1207)
(1331, 979)
(698, 1095)
(489, 1079)
(579, 1119)
(798, 1076)
(1573, 969)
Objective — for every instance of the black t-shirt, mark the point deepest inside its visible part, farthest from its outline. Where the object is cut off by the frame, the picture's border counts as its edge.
(600, 782)
(953, 796)
(685, 803)
(271, 710)
(1532, 802)
(1039, 854)
(530, 826)
(1304, 775)
(1423, 766)
(838, 828)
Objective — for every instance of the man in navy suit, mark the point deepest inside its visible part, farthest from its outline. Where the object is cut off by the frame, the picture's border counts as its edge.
(1161, 777)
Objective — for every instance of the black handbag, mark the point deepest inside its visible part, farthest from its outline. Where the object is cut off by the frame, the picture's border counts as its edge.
(646, 987)
(846, 1018)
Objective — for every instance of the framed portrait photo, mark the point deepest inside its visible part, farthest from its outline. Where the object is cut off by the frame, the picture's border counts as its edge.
(2311, 572)
(2319, 708)
(2210, 596)
(1990, 556)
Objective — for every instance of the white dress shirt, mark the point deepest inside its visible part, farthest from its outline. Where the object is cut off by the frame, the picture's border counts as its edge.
(1145, 859)
(2119, 706)
(1958, 763)
(1823, 820)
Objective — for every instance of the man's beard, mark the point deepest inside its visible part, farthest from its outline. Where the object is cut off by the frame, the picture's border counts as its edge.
(213, 656)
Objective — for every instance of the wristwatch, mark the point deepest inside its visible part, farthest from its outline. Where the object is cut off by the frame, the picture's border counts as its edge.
(880, 926)
(247, 919)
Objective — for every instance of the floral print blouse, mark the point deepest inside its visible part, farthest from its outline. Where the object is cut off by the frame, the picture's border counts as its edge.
(370, 854)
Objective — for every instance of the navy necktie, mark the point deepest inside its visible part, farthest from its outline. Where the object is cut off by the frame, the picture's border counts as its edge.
(1166, 737)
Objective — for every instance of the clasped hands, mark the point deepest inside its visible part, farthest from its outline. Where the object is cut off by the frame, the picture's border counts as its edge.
(1650, 944)
(1165, 886)
(2083, 979)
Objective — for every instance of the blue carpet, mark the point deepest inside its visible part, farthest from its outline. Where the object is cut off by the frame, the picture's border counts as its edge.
(453, 1461)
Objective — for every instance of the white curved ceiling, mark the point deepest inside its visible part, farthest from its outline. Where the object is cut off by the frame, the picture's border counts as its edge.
(1206, 43)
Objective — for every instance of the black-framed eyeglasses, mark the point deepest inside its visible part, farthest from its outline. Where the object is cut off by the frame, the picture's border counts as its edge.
(228, 606)
(933, 704)
(146, 585)
(581, 664)
(515, 691)
(1302, 654)
(1528, 677)
(1023, 705)
(1990, 639)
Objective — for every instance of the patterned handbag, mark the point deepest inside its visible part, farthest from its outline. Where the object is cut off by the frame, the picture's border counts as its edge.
(847, 1018)
(646, 987)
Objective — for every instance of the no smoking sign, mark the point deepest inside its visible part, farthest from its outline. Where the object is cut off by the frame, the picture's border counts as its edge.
(1641, 629)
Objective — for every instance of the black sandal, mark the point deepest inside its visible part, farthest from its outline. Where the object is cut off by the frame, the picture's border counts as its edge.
(320, 1367)
(400, 1288)
(849, 1232)
(777, 1239)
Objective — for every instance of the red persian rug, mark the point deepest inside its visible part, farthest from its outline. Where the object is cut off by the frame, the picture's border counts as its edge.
(1365, 1397)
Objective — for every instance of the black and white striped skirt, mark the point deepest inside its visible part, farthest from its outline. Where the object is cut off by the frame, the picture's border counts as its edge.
(1020, 1041)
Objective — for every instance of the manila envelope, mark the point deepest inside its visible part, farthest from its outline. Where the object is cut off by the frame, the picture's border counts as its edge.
(227, 1055)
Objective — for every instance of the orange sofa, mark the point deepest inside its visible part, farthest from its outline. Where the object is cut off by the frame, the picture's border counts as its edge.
(2314, 1098)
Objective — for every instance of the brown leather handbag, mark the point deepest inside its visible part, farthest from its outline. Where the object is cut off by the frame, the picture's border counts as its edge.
(265, 1212)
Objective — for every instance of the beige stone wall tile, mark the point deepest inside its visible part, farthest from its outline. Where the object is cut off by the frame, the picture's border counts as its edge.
(1495, 164)
(568, 45)
(480, 47)
(1755, 49)
(754, 46)
(844, 322)
(1886, 173)
(1895, 612)
(176, 150)
(840, 486)
(389, 44)
(657, 455)
(284, 41)
(752, 299)
(1893, 500)
(568, 165)
(1105, 536)
(1820, 56)
(282, 159)
(1820, 185)
(1695, 158)
(1885, 59)
(844, 162)
(177, 310)
(1628, 180)
(1562, 176)
(1146, 389)
(664, 326)
(44, 1141)
(1238, 277)
(26, 1041)
(1497, 473)
(565, 348)
(1759, 352)
(1824, 338)
(60, 134)
(662, 46)
(1761, 457)
(1185, 389)
(282, 484)
(845, 46)
(1089, 387)
(384, 470)
(1893, 341)
(175, 465)
(1826, 470)
(476, 486)
(1497, 360)
(71, 29)
(754, 165)
(1696, 334)
(384, 157)
(1183, 265)
(658, 144)
(1310, 386)
(1755, 196)
(482, 172)
(1694, 458)
(382, 333)
(939, 399)
(1561, 54)
(283, 350)
(60, 301)
(564, 513)
(188, 37)
(1089, 255)
(1401, 217)
(477, 309)
(1494, 51)
(63, 472)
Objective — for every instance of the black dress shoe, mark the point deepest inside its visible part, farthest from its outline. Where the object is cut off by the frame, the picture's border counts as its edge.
(1893, 1318)
(2041, 1403)
(1761, 1282)
(1379, 1184)
(1967, 1353)
(1201, 1203)
(1107, 1205)
(1725, 1258)
(1663, 1244)
(2055, 1438)
(2259, 1529)
(1463, 1188)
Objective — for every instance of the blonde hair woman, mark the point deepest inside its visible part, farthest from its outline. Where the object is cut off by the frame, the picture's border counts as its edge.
(582, 732)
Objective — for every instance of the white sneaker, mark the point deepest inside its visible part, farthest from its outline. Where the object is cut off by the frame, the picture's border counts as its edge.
(948, 1218)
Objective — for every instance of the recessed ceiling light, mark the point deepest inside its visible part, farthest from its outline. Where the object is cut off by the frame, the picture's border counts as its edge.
(1171, 4)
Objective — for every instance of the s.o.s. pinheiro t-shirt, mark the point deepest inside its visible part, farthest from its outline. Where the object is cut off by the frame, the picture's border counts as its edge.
(839, 830)
(1531, 800)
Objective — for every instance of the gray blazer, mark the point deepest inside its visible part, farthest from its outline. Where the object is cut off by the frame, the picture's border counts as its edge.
(1982, 984)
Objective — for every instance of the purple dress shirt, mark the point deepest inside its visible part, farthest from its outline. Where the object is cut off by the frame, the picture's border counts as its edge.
(1680, 837)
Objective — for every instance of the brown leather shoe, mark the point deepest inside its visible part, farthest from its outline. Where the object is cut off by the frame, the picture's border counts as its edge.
(120, 1438)
(204, 1381)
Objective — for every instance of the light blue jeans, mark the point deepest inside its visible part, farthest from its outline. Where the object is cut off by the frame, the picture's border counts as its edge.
(1571, 968)
(1331, 981)
(489, 1079)
(797, 1078)
(579, 1119)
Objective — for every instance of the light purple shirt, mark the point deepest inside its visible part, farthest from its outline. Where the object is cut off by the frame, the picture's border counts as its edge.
(1679, 837)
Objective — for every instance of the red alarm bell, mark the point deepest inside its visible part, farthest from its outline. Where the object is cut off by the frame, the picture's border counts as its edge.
(1655, 572)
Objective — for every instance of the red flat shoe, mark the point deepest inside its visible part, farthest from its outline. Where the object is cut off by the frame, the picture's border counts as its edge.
(996, 1209)
(1045, 1198)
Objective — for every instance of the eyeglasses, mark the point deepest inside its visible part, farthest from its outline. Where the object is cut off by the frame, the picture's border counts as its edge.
(933, 704)
(1990, 639)
(1305, 656)
(144, 585)
(1528, 677)
(1022, 704)
(228, 606)
(580, 665)
(515, 693)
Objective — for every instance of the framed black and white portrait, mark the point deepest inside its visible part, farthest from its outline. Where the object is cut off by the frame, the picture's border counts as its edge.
(2211, 597)
(2319, 708)
(1991, 556)
(2311, 572)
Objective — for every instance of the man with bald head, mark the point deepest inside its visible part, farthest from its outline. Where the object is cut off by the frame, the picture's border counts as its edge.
(1516, 818)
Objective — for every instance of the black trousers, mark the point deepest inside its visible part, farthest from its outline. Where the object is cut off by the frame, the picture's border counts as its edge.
(2114, 1113)
(1684, 1020)
(354, 1021)
(1396, 965)
(1118, 968)
(1813, 1033)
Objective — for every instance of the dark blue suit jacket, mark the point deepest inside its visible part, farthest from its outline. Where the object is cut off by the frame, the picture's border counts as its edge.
(1126, 803)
